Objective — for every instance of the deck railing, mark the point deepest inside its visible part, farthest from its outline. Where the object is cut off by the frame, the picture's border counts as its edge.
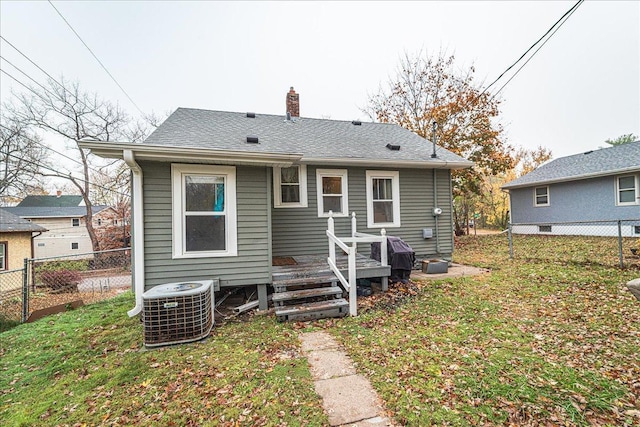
(349, 284)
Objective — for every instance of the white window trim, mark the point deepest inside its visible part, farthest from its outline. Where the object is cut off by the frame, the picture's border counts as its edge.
(277, 193)
(535, 198)
(73, 220)
(4, 264)
(342, 173)
(395, 188)
(178, 172)
(636, 183)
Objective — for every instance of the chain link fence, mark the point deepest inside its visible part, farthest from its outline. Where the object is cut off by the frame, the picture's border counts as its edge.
(48, 285)
(609, 243)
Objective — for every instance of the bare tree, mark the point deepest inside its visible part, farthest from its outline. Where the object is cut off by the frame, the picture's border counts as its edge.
(67, 111)
(21, 157)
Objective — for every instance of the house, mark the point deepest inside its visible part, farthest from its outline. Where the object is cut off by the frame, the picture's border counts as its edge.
(64, 217)
(16, 244)
(600, 185)
(220, 194)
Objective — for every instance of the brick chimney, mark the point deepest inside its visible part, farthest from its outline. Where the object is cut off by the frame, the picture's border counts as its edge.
(293, 103)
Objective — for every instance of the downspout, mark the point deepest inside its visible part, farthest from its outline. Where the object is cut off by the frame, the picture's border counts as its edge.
(436, 210)
(435, 206)
(137, 224)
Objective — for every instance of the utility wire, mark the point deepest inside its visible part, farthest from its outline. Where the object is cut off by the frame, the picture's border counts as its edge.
(94, 55)
(551, 30)
(52, 149)
(47, 74)
(66, 176)
(568, 15)
(29, 77)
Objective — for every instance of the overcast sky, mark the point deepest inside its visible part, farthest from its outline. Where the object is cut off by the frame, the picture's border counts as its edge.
(581, 88)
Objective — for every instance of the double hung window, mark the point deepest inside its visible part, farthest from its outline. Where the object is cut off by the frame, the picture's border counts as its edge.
(541, 196)
(627, 190)
(383, 199)
(204, 211)
(332, 192)
(290, 187)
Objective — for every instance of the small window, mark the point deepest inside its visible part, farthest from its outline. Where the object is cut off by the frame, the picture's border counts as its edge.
(332, 192)
(383, 199)
(74, 245)
(290, 187)
(636, 229)
(3, 255)
(99, 222)
(41, 245)
(541, 196)
(204, 211)
(75, 222)
(627, 190)
(544, 228)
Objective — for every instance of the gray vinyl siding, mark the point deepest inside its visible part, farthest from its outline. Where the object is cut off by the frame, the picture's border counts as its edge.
(299, 231)
(585, 200)
(253, 263)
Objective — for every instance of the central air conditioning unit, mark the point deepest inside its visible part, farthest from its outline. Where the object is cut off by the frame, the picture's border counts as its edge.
(176, 313)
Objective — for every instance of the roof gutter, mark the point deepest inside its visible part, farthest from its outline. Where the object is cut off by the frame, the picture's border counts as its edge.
(138, 231)
(572, 178)
(417, 164)
(161, 153)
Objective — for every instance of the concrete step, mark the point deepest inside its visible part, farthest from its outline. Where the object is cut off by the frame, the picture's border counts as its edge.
(307, 293)
(313, 310)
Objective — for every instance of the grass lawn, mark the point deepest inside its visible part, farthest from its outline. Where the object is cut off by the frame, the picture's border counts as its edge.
(534, 342)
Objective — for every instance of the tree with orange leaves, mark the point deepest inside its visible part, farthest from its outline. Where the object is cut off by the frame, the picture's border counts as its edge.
(429, 89)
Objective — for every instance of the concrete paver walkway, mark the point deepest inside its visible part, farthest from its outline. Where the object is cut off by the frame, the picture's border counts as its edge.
(347, 397)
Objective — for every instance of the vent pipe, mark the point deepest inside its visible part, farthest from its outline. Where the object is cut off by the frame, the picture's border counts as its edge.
(433, 138)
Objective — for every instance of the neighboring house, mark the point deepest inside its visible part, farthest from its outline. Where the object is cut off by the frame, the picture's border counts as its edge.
(57, 201)
(599, 185)
(218, 194)
(67, 232)
(16, 244)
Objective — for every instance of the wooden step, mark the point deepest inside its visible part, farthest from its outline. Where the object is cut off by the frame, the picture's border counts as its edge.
(307, 293)
(281, 285)
(314, 310)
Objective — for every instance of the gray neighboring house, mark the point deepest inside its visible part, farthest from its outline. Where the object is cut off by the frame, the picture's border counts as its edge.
(219, 194)
(598, 185)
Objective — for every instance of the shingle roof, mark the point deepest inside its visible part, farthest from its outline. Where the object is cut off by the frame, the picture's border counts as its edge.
(10, 223)
(605, 161)
(51, 201)
(314, 138)
(52, 212)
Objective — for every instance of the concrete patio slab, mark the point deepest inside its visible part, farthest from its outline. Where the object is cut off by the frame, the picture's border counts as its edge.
(455, 270)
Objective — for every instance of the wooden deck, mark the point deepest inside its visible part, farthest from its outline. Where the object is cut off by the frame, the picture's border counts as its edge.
(317, 266)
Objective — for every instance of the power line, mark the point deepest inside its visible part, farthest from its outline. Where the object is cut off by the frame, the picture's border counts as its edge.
(47, 74)
(28, 76)
(55, 151)
(67, 176)
(550, 32)
(568, 15)
(94, 55)
(558, 23)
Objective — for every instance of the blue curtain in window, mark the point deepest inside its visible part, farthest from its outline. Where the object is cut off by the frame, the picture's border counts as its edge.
(219, 202)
